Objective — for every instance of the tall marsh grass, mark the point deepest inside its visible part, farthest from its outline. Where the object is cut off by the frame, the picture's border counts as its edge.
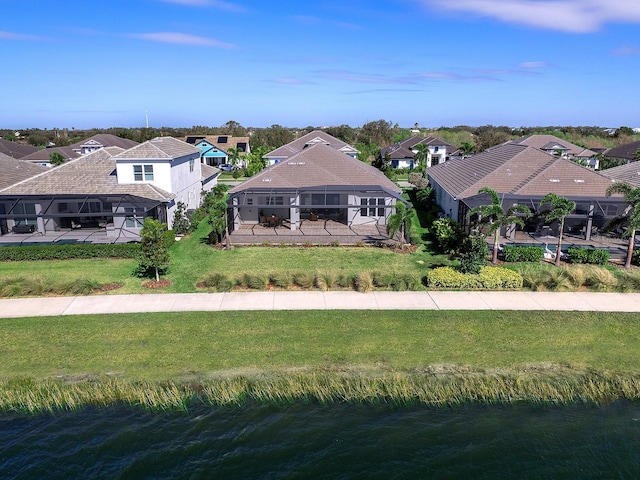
(429, 388)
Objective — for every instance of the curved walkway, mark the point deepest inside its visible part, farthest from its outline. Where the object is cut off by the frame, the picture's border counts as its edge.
(338, 300)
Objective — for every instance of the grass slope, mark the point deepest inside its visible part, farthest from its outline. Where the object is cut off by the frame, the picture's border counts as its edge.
(197, 346)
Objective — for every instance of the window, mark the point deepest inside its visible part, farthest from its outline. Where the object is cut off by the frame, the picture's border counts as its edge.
(135, 219)
(371, 203)
(249, 201)
(275, 201)
(143, 172)
(191, 165)
(22, 210)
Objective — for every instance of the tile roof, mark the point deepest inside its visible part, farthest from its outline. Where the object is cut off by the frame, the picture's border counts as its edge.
(16, 150)
(317, 166)
(91, 174)
(520, 170)
(159, 148)
(14, 171)
(44, 154)
(305, 141)
(207, 171)
(404, 149)
(628, 173)
(548, 141)
(232, 142)
(107, 140)
(627, 151)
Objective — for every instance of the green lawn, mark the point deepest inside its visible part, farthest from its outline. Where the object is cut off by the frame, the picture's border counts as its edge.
(197, 346)
(192, 259)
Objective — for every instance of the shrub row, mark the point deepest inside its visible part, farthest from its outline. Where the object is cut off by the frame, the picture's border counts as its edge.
(491, 278)
(362, 282)
(66, 252)
(589, 255)
(36, 287)
(523, 254)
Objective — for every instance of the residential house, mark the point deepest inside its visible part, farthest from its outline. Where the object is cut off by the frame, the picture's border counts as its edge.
(315, 137)
(624, 153)
(523, 174)
(91, 144)
(561, 148)
(13, 171)
(110, 189)
(402, 154)
(215, 148)
(628, 173)
(318, 181)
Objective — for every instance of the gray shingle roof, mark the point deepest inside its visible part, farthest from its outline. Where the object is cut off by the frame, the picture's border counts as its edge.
(91, 174)
(231, 142)
(317, 166)
(520, 170)
(16, 150)
(404, 149)
(626, 151)
(207, 171)
(107, 140)
(546, 141)
(628, 173)
(14, 171)
(44, 154)
(311, 138)
(159, 148)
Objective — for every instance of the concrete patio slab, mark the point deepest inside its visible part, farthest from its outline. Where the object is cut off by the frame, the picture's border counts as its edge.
(405, 301)
(247, 301)
(459, 300)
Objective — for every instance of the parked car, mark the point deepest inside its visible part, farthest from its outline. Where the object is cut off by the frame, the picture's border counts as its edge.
(225, 167)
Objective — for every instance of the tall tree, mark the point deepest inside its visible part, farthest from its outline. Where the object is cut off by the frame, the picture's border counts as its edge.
(560, 208)
(494, 217)
(154, 252)
(632, 197)
(379, 132)
(234, 155)
(421, 156)
(467, 148)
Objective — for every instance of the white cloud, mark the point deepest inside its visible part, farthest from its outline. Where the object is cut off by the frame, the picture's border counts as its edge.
(18, 36)
(576, 16)
(219, 4)
(627, 51)
(182, 39)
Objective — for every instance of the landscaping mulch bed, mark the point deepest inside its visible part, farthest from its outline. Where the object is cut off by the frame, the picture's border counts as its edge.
(107, 287)
(153, 285)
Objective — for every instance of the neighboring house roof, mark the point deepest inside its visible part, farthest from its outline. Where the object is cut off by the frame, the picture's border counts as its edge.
(626, 151)
(208, 172)
(222, 142)
(91, 174)
(105, 140)
(16, 150)
(319, 165)
(14, 171)
(628, 173)
(404, 149)
(551, 143)
(159, 148)
(308, 140)
(519, 170)
(44, 155)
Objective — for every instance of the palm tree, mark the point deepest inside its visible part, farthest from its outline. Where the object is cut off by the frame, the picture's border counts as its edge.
(632, 197)
(467, 148)
(560, 208)
(396, 221)
(421, 156)
(234, 156)
(494, 216)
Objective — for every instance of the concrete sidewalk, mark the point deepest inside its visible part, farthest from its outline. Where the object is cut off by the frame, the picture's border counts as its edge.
(316, 300)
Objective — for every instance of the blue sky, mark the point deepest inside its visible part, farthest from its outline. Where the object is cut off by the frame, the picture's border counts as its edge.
(85, 64)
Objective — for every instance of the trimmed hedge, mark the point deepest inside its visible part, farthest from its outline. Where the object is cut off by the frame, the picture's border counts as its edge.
(66, 252)
(490, 278)
(523, 254)
(589, 255)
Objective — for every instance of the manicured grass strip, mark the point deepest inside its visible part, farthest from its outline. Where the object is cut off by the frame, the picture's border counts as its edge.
(197, 346)
(326, 387)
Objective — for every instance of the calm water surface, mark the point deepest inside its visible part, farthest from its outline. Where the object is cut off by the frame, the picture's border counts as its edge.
(325, 442)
